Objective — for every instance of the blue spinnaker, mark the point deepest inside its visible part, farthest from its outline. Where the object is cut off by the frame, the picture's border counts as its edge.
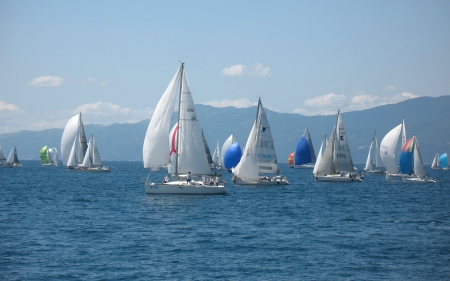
(302, 153)
(232, 156)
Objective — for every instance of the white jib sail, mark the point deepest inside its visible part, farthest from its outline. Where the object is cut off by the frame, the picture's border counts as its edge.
(72, 161)
(156, 145)
(319, 158)
(246, 168)
(87, 162)
(369, 163)
(326, 165)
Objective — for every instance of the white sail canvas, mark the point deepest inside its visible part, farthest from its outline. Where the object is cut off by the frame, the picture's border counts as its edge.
(191, 149)
(156, 145)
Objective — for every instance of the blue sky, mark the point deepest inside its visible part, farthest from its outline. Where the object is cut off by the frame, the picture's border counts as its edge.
(112, 60)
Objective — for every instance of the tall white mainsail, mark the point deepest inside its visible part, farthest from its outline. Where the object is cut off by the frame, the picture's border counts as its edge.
(266, 158)
(378, 162)
(191, 149)
(419, 169)
(96, 159)
(342, 158)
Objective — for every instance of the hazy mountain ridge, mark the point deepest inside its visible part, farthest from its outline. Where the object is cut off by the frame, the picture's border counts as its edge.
(426, 117)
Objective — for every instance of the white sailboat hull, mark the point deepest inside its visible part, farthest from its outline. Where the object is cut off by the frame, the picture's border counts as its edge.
(381, 172)
(49, 164)
(399, 176)
(261, 182)
(418, 180)
(181, 187)
(336, 178)
(304, 166)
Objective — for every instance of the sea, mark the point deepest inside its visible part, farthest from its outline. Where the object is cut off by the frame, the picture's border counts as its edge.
(58, 224)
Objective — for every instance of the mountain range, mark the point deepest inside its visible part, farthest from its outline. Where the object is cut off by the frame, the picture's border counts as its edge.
(426, 117)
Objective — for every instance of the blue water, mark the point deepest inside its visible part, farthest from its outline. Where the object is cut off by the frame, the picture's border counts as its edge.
(57, 224)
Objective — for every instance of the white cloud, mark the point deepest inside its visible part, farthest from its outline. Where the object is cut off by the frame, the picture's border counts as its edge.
(234, 70)
(257, 69)
(329, 104)
(89, 80)
(7, 106)
(106, 113)
(47, 81)
(103, 113)
(93, 80)
(242, 103)
(389, 88)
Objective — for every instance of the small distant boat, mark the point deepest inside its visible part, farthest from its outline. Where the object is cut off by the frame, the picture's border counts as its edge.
(304, 156)
(216, 158)
(336, 164)
(374, 152)
(190, 156)
(49, 156)
(436, 162)
(13, 159)
(73, 143)
(92, 161)
(411, 163)
(3, 163)
(259, 165)
(389, 151)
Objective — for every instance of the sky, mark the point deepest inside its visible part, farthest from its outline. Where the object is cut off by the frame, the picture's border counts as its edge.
(112, 60)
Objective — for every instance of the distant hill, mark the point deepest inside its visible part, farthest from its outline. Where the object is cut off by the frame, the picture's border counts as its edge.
(426, 117)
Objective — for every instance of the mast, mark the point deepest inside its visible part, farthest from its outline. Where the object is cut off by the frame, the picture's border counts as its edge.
(178, 120)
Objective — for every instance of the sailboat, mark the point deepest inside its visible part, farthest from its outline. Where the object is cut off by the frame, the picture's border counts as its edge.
(411, 163)
(49, 156)
(389, 151)
(217, 158)
(374, 152)
(3, 164)
(227, 143)
(191, 154)
(259, 158)
(304, 156)
(231, 153)
(336, 164)
(436, 162)
(73, 143)
(92, 161)
(13, 159)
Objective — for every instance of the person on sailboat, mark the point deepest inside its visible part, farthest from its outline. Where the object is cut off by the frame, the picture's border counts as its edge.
(217, 181)
(166, 179)
(188, 178)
